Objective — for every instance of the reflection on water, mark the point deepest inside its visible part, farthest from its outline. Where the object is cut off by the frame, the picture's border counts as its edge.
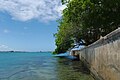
(39, 66)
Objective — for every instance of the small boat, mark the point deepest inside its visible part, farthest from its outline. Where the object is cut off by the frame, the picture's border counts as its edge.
(65, 55)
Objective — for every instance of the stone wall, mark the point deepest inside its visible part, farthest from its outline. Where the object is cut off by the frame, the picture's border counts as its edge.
(103, 57)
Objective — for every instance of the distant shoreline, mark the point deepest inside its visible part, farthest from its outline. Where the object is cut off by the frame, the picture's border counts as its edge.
(26, 51)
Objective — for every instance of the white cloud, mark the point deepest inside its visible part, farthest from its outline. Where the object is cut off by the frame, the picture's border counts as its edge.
(23, 10)
(4, 48)
(6, 31)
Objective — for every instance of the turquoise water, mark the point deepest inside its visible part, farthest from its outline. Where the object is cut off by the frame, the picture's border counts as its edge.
(39, 66)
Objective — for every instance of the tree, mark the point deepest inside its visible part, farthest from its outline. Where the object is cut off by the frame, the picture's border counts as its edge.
(86, 20)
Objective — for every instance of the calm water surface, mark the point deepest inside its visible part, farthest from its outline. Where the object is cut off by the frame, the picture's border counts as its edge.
(39, 66)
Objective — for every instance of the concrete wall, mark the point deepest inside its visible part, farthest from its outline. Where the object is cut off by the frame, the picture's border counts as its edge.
(103, 57)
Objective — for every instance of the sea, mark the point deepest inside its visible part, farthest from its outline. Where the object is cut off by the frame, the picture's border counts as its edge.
(40, 66)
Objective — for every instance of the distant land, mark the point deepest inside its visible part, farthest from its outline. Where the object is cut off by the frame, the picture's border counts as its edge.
(27, 51)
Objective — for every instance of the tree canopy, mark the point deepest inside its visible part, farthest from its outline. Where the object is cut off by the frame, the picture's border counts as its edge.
(85, 21)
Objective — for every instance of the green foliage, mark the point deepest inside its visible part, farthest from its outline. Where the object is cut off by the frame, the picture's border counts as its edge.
(86, 20)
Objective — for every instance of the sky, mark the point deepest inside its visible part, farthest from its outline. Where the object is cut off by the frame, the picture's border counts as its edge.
(29, 25)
